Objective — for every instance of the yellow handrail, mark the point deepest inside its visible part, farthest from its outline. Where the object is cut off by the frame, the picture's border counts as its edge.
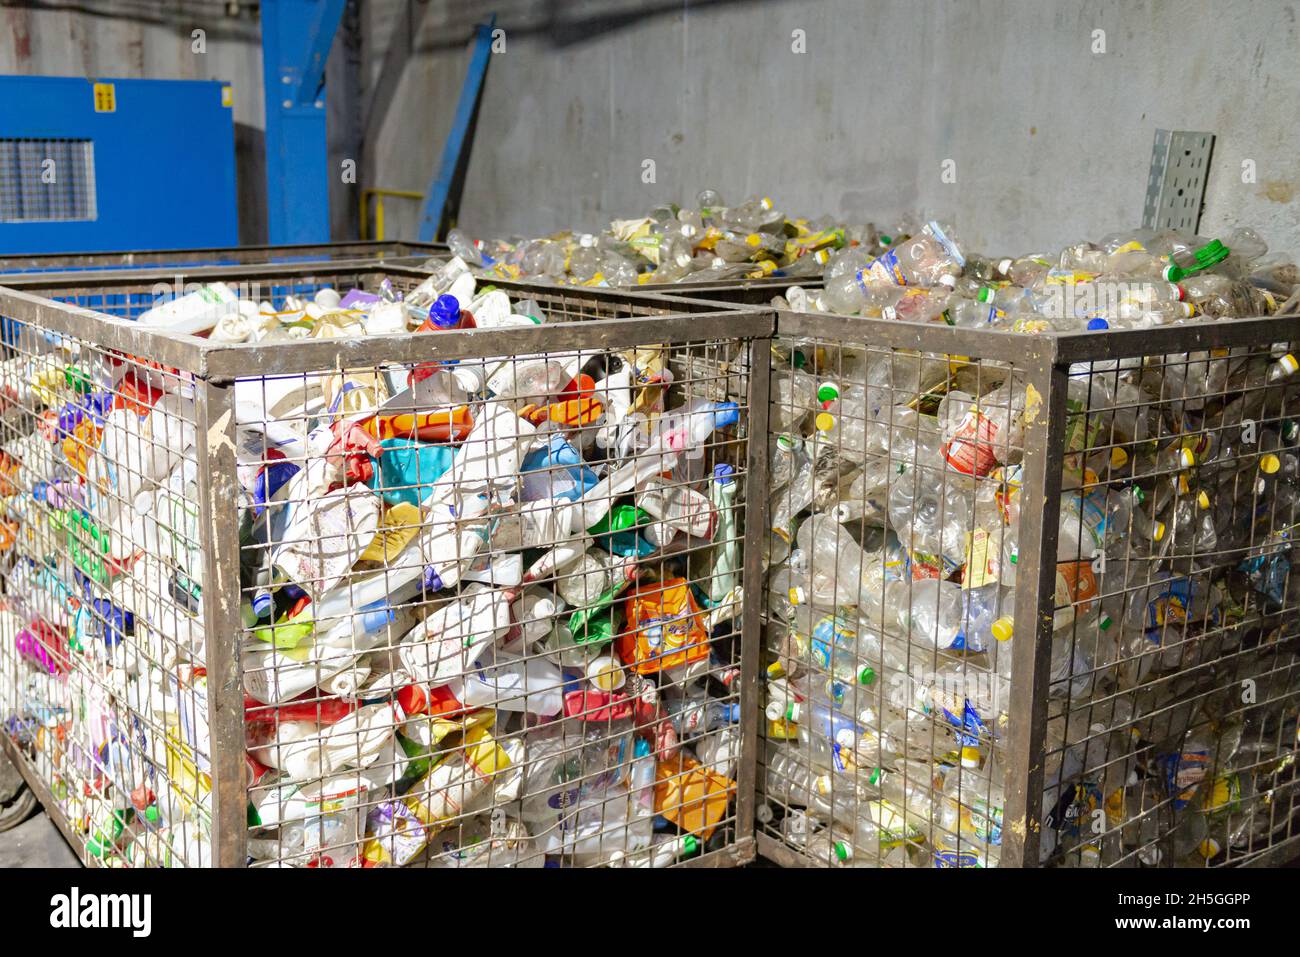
(379, 195)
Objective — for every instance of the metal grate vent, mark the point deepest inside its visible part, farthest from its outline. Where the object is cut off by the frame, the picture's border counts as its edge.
(47, 180)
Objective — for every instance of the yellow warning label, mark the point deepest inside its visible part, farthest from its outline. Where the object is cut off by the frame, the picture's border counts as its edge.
(105, 98)
(227, 96)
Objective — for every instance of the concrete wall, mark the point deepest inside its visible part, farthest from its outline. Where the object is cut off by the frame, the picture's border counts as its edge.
(1050, 140)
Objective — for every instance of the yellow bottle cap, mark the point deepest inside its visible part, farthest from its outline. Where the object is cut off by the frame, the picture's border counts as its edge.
(752, 240)
(1269, 464)
(774, 670)
(970, 757)
(1004, 628)
(797, 596)
(824, 422)
(1288, 363)
(1209, 848)
(1118, 458)
(1202, 499)
(1186, 458)
(1158, 530)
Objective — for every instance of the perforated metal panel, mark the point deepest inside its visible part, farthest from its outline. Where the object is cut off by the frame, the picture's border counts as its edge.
(1180, 168)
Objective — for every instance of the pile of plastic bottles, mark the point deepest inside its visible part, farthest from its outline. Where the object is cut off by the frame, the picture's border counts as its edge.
(1136, 279)
(896, 496)
(710, 242)
(489, 606)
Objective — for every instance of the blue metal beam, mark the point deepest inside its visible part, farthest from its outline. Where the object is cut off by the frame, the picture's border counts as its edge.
(453, 151)
(296, 39)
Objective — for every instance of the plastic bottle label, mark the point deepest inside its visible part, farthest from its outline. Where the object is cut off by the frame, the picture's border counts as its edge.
(970, 450)
(894, 828)
(831, 632)
(956, 859)
(883, 269)
(980, 569)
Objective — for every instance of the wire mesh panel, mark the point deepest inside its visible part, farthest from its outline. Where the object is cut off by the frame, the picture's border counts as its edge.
(217, 256)
(1171, 723)
(939, 690)
(482, 589)
(887, 670)
(102, 654)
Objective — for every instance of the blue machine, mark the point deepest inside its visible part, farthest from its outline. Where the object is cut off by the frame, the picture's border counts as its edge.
(108, 165)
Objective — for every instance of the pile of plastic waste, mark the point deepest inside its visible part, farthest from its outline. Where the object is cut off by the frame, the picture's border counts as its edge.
(896, 498)
(489, 605)
(709, 242)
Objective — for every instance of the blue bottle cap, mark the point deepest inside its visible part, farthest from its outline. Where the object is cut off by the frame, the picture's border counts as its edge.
(1097, 323)
(723, 473)
(445, 311)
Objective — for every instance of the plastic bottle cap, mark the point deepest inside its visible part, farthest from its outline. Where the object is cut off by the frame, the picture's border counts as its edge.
(1097, 323)
(827, 392)
(948, 281)
(823, 784)
(723, 473)
(843, 851)
(1210, 848)
(1185, 458)
(985, 294)
(753, 240)
(1188, 310)
(445, 311)
(793, 711)
(970, 757)
(775, 670)
(786, 442)
(1202, 499)
(774, 711)
(1288, 363)
(1118, 458)
(690, 844)
(798, 596)
(1178, 291)
(1004, 628)
(1104, 622)
(1269, 464)
(867, 675)
(824, 421)
(606, 674)
(886, 240)
(1158, 531)
(151, 814)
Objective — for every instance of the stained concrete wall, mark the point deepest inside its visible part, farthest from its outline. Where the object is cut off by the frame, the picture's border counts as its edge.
(1050, 139)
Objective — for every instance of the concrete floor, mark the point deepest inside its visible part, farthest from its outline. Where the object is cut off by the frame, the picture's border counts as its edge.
(35, 843)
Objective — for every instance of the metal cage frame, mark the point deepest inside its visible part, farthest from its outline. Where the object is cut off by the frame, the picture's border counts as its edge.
(637, 319)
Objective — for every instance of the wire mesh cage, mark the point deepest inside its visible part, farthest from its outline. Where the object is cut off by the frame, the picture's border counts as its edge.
(938, 690)
(218, 256)
(338, 599)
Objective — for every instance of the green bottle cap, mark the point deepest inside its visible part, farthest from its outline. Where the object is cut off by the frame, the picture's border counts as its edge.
(690, 844)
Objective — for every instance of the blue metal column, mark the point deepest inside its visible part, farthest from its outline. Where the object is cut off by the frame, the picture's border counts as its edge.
(296, 40)
(455, 150)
